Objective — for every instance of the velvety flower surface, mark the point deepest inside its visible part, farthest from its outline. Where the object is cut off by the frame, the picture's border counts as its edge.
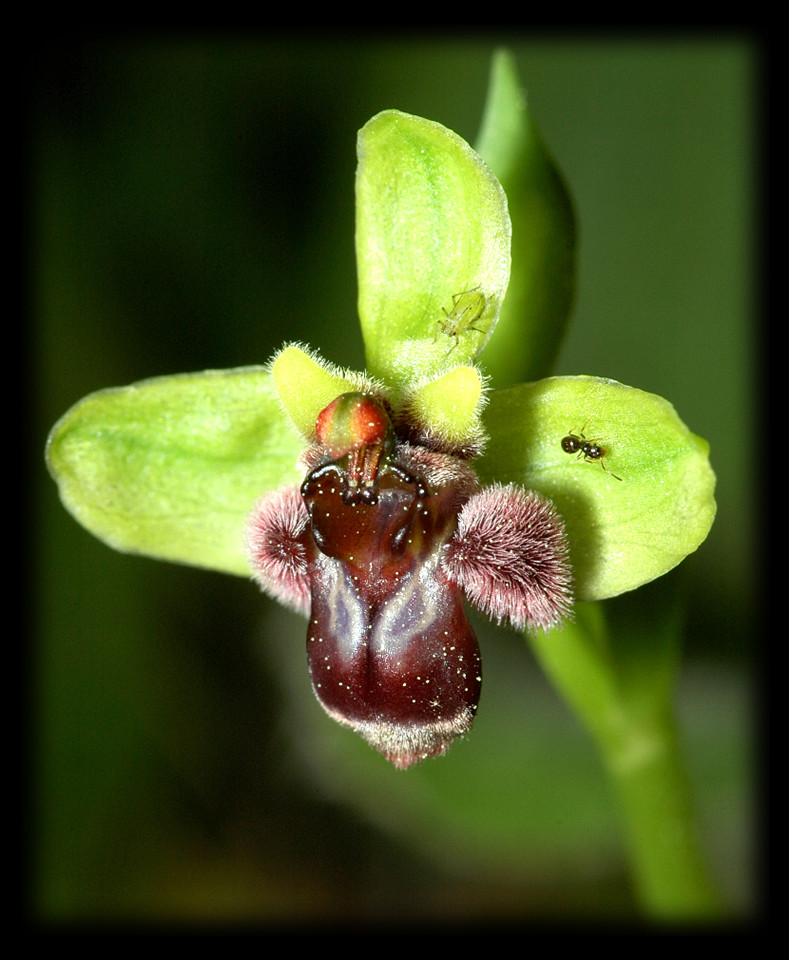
(382, 541)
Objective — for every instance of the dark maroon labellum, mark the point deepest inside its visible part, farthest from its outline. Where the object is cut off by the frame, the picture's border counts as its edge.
(390, 649)
(381, 544)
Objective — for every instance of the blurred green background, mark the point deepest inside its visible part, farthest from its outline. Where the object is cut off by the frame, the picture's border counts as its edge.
(191, 206)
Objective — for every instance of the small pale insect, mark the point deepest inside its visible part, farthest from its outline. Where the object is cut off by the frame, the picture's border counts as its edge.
(467, 307)
(590, 450)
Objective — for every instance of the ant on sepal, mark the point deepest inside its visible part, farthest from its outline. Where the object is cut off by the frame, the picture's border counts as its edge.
(590, 450)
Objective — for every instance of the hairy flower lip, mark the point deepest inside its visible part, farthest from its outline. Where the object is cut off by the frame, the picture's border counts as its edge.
(390, 649)
(405, 673)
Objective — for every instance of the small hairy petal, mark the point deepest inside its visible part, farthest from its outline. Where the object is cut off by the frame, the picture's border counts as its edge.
(276, 547)
(509, 555)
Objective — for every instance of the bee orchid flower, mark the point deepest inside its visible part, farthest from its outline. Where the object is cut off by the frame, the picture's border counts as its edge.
(378, 503)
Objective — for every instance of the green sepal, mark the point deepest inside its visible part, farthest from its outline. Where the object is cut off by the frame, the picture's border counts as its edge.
(622, 533)
(170, 467)
(432, 238)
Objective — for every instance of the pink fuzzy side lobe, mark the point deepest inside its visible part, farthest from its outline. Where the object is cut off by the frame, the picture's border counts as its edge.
(275, 540)
(509, 555)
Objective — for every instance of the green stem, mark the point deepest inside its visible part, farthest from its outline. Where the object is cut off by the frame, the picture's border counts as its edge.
(627, 709)
(647, 771)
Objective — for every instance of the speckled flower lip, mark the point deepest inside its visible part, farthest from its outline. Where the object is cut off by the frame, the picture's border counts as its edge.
(384, 539)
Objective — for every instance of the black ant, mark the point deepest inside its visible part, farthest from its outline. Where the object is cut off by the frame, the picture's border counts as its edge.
(590, 450)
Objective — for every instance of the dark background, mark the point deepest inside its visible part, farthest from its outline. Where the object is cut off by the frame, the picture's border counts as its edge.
(189, 204)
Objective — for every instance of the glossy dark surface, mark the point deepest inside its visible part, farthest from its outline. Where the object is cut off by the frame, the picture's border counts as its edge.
(390, 648)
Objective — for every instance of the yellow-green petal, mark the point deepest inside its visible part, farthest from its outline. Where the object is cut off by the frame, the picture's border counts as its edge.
(306, 383)
(170, 467)
(623, 533)
(449, 407)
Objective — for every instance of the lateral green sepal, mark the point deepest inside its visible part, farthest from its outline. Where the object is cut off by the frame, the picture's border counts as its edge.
(623, 533)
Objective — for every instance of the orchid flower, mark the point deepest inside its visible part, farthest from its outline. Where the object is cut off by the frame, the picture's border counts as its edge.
(376, 502)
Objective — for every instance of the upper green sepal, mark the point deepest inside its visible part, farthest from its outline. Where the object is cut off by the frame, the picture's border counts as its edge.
(622, 533)
(432, 248)
(170, 467)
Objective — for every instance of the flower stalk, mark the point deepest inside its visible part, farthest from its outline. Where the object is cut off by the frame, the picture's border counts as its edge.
(620, 682)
